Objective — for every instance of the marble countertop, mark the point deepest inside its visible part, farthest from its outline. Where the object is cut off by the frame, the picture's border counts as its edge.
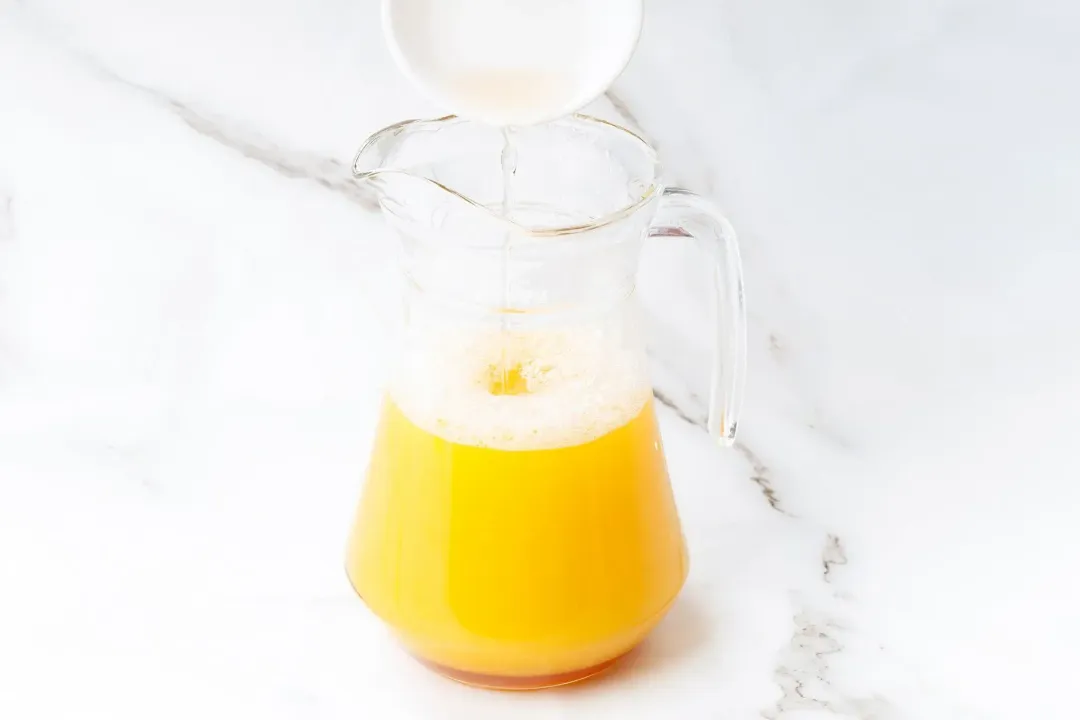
(189, 293)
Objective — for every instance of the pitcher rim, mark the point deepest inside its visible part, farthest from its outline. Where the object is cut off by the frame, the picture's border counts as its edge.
(653, 188)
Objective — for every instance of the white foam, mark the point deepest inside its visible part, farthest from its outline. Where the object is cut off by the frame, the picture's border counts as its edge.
(580, 385)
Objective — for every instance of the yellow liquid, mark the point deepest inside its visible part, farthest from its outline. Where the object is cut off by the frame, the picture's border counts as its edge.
(517, 563)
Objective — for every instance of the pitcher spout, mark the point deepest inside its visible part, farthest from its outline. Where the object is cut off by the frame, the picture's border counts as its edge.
(405, 170)
(381, 151)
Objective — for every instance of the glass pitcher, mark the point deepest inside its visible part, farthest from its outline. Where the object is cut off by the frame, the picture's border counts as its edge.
(517, 527)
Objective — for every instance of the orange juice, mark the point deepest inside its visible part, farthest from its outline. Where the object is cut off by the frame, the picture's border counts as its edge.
(525, 557)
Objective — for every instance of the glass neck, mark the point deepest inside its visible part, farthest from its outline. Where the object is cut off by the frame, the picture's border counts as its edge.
(527, 279)
(494, 269)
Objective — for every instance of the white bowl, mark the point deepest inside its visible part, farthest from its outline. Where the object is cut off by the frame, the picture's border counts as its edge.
(512, 62)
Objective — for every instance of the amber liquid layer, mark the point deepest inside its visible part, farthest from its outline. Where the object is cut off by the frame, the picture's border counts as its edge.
(517, 568)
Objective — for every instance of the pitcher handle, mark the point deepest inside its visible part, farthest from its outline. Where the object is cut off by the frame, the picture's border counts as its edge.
(686, 214)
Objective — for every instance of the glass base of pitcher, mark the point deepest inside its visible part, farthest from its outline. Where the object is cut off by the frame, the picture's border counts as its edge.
(511, 682)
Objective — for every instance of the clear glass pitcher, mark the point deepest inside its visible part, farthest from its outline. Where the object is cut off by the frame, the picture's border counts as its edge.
(517, 527)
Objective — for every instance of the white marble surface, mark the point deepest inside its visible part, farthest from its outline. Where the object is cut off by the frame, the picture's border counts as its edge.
(188, 339)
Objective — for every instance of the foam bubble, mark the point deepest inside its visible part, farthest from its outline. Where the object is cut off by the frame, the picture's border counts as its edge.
(563, 388)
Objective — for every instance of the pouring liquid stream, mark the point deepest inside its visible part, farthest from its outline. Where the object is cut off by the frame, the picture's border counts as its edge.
(511, 382)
